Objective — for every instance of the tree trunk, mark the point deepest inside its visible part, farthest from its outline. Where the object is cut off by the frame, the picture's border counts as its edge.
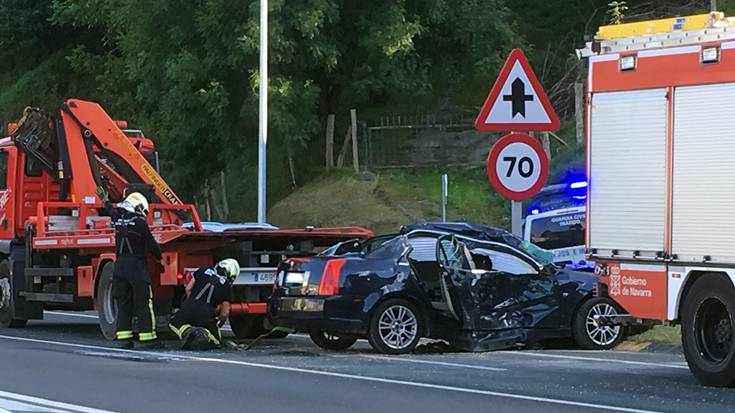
(353, 129)
(225, 203)
(329, 153)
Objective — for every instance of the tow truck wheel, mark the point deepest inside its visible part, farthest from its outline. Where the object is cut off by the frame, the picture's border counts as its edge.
(6, 299)
(331, 341)
(708, 319)
(588, 332)
(106, 307)
(395, 327)
(248, 326)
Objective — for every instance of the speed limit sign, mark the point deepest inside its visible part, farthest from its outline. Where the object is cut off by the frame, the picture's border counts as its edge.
(517, 166)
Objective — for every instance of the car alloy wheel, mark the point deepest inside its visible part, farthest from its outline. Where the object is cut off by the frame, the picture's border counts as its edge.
(601, 335)
(398, 327)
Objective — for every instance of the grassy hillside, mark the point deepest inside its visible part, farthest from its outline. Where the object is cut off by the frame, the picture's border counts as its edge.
(390, 200)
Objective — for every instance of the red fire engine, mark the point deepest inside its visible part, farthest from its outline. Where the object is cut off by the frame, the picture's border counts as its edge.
(661, 104)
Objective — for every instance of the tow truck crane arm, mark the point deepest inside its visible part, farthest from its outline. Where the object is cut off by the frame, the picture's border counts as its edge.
(79, 143)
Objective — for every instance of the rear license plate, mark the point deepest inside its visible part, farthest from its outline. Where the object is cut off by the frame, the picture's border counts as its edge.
(259, 276)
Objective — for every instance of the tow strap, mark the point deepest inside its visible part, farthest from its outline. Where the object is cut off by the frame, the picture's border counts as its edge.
(246, 347)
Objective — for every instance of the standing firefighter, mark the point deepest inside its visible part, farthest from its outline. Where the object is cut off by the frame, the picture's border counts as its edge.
(206, 307)
(131, 283)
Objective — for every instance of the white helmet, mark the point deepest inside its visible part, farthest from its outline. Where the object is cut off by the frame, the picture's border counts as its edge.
(135, 203)
(230, 267)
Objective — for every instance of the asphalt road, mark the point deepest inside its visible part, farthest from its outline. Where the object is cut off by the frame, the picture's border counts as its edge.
(62, 364)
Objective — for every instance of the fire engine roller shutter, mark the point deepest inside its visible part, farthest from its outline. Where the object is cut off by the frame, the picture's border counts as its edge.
(628, 172)
(703, 197)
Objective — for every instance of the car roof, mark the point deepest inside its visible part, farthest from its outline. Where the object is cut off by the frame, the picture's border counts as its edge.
(479, 232)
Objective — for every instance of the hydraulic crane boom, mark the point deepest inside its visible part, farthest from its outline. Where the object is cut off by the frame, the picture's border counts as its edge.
(82, 141)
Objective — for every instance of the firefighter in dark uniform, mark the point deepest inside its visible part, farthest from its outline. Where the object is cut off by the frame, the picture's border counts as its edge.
(131, 283)
(206, 307)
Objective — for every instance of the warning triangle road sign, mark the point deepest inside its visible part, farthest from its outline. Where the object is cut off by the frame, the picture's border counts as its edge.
(517, 102)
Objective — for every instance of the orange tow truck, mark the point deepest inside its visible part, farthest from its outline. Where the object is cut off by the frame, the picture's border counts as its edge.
(57, 247)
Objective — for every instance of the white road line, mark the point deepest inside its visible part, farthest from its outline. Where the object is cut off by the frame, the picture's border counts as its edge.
(70, 314)
(560, 356)
(438, 363)
(349, 376)
(14, 406)
(50, 403)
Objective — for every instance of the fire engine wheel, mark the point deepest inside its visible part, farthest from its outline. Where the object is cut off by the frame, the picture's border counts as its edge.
(6, 299)
(588, 332)
(708, 320)
(248, 326)
(106, 307)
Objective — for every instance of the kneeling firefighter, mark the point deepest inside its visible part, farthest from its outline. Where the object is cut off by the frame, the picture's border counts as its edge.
(206, 307)
(131, 283)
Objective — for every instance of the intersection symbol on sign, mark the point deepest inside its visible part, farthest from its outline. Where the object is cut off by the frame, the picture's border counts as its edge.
(517, 101)
(518, 97)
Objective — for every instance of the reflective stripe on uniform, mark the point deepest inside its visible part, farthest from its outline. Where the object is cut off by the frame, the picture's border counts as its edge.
(124, 335)
(211, 337)
(179, 331)
(147, 336)
(150, 307)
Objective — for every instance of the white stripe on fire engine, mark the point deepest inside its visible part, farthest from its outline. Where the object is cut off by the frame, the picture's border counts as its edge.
(46, 242)
(643, 267)
(727, 45)
(94, 241)
(668, 52)
(604, 57)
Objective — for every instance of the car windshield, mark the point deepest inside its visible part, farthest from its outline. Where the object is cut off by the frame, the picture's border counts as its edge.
(560, 231)
(541, 255)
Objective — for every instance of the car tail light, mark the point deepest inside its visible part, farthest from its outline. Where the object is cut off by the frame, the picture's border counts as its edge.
(329, 284)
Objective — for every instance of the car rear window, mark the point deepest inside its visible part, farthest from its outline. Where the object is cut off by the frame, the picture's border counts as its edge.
(423, 249)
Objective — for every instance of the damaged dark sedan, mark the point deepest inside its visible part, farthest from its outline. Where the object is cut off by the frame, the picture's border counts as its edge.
(479, 288)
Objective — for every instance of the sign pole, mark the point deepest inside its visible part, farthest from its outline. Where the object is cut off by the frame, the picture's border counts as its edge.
(516, 218)
(445, 194)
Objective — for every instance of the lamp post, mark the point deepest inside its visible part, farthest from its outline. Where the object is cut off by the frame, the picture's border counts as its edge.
(263, 112)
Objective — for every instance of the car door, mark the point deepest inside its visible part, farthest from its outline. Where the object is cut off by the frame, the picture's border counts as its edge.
(493, 287)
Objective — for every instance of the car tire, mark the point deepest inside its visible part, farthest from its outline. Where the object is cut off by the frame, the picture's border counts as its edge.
(106, 307)
(708, 316)
(395, 327)
(248, 326)
(587, 333)
(331, 341)
(7, 318)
